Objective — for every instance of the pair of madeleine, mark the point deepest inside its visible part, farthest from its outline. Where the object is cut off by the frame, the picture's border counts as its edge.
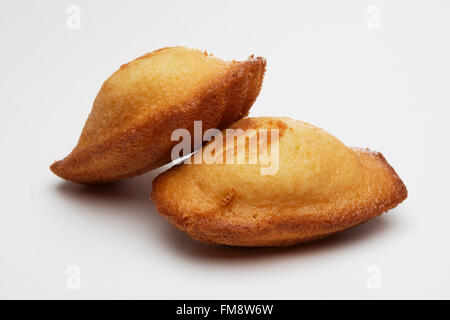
(319, 187)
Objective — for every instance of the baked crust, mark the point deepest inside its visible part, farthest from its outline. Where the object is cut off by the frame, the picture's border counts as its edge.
(284, 209)
(117, 143)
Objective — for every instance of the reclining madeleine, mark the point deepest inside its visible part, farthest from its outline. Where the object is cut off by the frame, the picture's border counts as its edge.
(128, 131)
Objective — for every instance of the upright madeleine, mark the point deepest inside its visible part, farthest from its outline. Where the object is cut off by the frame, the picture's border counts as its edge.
(321, 187)
(128, 131)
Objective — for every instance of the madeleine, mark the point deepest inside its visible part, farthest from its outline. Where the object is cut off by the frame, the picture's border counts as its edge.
(128, 131)
(317, 186)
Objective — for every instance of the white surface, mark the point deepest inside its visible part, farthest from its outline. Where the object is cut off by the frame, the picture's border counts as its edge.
(386, 89)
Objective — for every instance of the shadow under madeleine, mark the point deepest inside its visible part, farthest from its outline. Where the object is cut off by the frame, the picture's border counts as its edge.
(131, 197)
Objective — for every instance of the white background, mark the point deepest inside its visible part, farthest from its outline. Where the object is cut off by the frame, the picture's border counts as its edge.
(386, 89)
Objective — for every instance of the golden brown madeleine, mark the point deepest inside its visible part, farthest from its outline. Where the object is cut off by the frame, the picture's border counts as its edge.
(129, 129)
(321, 187)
